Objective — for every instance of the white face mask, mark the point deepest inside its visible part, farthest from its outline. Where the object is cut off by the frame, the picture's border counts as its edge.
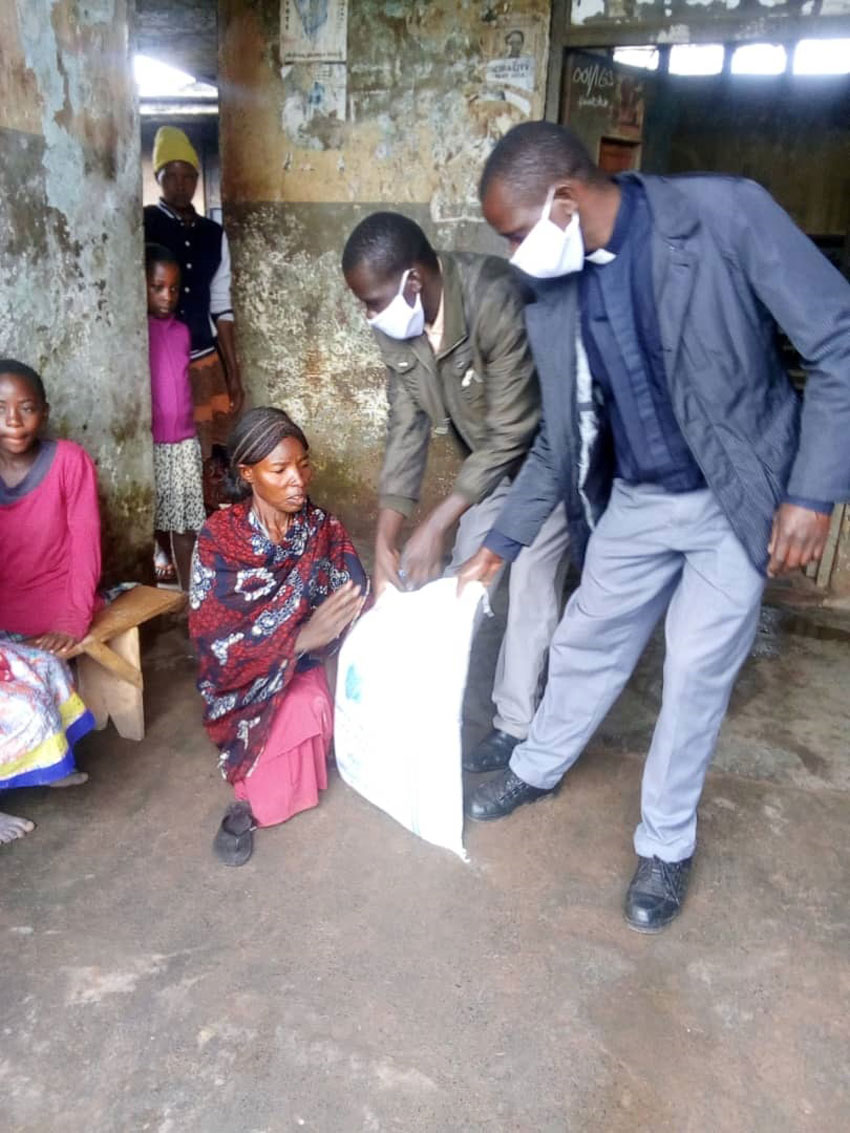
(548, 250)
(398, 319)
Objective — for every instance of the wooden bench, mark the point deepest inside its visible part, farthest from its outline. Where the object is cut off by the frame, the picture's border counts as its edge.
(109, 671)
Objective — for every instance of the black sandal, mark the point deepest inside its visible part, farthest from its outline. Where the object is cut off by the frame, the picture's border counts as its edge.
(234, 840)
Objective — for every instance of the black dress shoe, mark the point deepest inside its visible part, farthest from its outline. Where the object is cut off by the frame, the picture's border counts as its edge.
(492, 754)
(501, 795)
(656, 894)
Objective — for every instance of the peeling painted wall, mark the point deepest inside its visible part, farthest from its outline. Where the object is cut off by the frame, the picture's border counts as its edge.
(71, 285)
(421, 111)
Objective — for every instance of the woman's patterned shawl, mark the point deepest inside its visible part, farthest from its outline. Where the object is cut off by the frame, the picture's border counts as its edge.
(248, 599)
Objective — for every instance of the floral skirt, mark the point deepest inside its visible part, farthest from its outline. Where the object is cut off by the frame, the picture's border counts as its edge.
(41, 716)
(178, 480)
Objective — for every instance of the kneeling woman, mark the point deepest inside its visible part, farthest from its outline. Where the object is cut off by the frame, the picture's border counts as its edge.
(275, 582)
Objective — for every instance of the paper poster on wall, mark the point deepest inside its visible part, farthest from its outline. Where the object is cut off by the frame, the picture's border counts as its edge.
(326, 97)
(511, 51)
(517, 73)
(313, 31)
(315, 100)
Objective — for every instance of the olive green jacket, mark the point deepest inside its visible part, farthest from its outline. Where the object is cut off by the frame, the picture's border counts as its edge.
(480, 387)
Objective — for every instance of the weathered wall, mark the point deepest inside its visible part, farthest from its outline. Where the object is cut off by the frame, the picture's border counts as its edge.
(71, 286)
(301, 166)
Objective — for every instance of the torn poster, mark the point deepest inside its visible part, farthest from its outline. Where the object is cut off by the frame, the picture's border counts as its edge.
(511, 50)
(313, 31)
(516, 72)
(315, 102)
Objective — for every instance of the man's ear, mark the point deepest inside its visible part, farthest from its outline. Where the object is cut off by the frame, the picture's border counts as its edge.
(564, 202)
(415, 280)
(46, 413)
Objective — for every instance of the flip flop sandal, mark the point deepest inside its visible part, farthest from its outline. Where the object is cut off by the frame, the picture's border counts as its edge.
(234, 841)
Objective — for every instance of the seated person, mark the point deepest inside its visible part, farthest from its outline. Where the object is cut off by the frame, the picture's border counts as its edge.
(41, 718)
(275, 582)
(49, 569)
(49, 521)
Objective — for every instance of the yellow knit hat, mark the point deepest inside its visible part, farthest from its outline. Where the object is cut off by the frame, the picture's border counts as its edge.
(171, 144)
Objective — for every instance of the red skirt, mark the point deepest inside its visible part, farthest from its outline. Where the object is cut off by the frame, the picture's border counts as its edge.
(293, 767)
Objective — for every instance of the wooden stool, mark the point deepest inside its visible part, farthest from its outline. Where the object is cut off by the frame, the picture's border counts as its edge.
(109, 671)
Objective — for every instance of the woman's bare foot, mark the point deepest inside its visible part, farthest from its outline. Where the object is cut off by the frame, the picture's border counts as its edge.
(12, 827)
(75, 779)
(163, 567)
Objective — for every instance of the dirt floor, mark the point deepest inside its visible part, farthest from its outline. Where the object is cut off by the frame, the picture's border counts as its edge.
(351, 977)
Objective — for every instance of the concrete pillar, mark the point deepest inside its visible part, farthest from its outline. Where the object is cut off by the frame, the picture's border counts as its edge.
(71, 279)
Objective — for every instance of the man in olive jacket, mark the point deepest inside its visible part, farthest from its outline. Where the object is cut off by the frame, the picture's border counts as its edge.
(451, 332)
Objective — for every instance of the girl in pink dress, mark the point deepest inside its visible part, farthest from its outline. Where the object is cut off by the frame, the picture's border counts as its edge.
(177, 465)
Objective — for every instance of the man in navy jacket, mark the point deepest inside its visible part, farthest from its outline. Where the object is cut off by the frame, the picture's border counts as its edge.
(687, 464)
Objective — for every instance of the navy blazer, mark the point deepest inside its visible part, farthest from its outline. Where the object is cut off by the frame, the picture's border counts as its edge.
(728, 264)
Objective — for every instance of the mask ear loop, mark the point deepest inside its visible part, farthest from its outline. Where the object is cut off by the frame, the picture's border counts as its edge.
(547, 209)
(403, 282)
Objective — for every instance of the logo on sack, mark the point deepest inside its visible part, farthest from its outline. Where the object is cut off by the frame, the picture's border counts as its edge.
(353, 685)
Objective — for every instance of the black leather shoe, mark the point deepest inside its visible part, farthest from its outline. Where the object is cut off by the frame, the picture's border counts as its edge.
(501, 795)
(656, 894)
(492, 754)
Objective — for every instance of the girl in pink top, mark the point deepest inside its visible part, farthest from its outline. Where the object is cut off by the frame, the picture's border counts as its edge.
(49, 521)
(177, 464)
(49, 569)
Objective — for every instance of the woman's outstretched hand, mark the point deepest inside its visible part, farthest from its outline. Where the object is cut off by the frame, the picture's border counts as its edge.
(328, 621)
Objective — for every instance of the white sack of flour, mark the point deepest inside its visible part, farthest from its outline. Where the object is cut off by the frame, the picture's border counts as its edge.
(399, 697)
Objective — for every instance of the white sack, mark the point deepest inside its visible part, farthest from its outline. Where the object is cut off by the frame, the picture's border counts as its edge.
(399, 697)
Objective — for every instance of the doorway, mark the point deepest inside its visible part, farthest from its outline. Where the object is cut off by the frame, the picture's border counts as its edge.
(605, 103)
(176, 72)
(761, 111)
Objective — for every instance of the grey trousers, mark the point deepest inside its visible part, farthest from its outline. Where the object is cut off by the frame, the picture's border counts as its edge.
(651, 550)
(534, 592)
